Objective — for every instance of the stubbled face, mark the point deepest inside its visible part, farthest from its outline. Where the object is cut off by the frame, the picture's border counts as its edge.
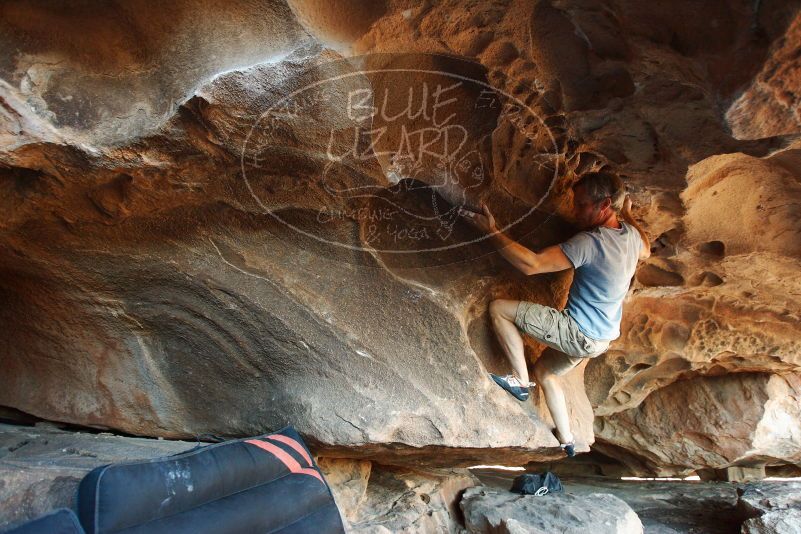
(585, 212)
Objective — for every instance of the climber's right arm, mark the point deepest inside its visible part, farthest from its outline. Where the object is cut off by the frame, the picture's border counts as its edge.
(645, 251)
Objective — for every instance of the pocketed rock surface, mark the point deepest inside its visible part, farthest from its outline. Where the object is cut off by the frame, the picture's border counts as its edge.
(682, 506)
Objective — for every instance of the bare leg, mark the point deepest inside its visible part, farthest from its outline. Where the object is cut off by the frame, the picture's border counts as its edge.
(555, 399)
(502, 313)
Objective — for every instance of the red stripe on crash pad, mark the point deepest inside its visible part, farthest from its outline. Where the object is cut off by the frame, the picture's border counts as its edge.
(294, 444)
(285, 458)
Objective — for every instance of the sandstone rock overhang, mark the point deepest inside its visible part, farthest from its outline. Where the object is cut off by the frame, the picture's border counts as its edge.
(159, 278)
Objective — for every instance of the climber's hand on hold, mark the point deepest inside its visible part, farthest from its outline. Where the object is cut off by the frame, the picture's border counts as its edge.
(483, 221)
(490, 218)
(627, 205)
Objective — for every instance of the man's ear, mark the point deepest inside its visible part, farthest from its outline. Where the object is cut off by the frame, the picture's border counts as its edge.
(605, 204)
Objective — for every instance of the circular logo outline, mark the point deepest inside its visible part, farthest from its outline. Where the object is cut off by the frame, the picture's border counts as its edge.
(365, 248)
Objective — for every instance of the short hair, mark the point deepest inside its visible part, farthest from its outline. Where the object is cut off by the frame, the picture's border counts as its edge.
(602, 184)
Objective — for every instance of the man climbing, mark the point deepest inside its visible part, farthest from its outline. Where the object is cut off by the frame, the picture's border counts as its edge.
(604, 255)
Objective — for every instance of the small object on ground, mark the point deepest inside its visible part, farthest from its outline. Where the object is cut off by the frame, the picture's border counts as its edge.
(538, 484)
(511, 384)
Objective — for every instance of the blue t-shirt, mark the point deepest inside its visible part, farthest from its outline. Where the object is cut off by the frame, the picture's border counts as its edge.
(605, 259)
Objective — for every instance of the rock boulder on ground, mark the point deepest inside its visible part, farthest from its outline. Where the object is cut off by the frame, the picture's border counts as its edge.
(490, 510)
(779, 522)
(766, 497)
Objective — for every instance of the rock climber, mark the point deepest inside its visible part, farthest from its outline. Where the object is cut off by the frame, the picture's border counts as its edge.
(604, 255)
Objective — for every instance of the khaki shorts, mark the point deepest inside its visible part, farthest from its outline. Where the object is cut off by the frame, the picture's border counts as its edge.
(557, 330)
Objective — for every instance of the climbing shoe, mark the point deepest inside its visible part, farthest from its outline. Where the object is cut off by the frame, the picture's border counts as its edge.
(511, 384)
(570, 448)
